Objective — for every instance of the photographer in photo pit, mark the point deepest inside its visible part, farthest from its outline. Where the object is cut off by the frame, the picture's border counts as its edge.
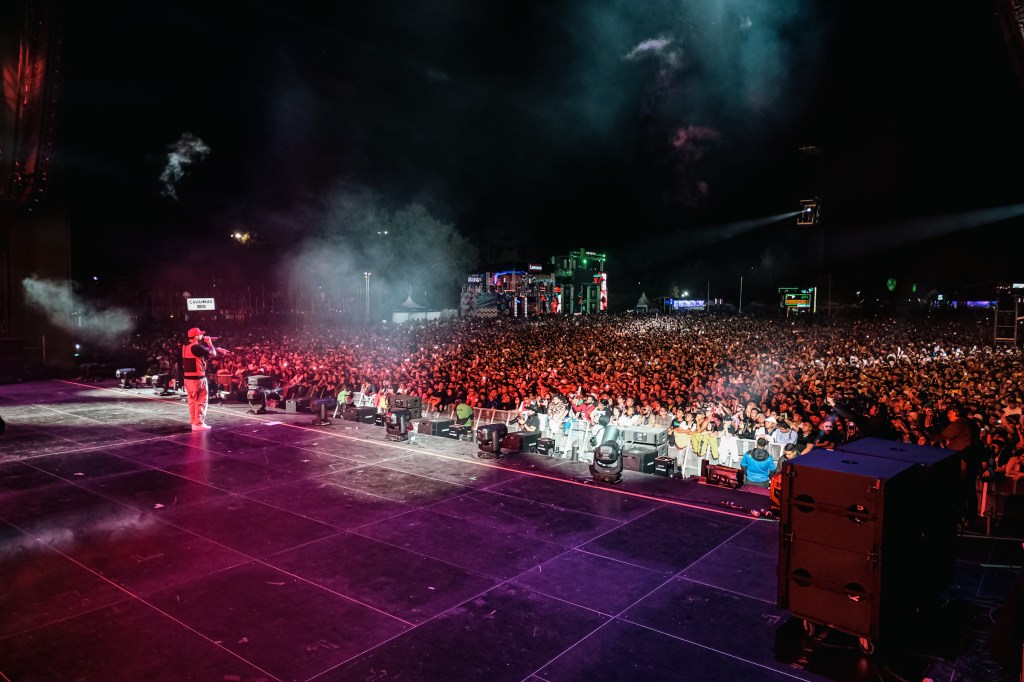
(528, 419)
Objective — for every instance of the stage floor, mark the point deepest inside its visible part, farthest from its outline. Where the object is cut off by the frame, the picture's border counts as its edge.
(272, 549)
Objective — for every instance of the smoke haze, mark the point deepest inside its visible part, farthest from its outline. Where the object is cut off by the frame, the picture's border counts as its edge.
(68, 311)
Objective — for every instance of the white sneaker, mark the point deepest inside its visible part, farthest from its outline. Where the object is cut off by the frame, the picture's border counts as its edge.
(201, 427)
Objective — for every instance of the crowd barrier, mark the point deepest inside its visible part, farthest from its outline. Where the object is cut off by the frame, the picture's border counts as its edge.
(573, 440)
(481, 415)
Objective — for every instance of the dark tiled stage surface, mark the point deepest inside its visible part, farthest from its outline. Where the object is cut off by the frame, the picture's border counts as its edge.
(270, 549)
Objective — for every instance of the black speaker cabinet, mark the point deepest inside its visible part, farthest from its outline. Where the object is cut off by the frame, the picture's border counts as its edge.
(521, 441)
(664, 465)
(936, 506)
(435, 427)
(364, 414)
(546, 446)
(640, 458)
(849, 554)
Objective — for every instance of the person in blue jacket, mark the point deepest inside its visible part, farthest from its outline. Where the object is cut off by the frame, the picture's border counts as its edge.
(757, 465)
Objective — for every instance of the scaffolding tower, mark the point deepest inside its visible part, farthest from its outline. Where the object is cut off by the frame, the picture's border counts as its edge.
(1007, 317)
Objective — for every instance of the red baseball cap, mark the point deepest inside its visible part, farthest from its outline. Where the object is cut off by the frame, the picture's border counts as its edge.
(194, 332)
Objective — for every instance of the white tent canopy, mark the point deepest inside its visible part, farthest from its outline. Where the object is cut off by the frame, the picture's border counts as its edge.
(643, 303)
(411, 310)
(410, 304)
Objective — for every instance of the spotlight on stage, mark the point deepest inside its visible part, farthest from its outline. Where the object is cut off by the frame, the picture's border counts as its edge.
(257, 398)
(396, 422)
(607, 465)
(322, 406)
(488, 438)
(162, 384)
(128, 376)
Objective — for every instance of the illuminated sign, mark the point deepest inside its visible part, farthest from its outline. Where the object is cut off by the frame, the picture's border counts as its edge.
(793, 297)
(474, 279)
(200, 304)
(685, 303)
(514, 273)
(534, 267)
(796, 301)
(601, 278)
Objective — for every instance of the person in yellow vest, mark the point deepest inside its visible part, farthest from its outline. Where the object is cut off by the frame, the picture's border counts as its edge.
(194, 356)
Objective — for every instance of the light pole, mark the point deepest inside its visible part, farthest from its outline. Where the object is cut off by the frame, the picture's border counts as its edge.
(367, 276)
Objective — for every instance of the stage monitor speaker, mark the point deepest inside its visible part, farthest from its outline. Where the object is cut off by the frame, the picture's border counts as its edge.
(521, 441)
(849, 550)
(546, 446)
(435, 427)
(640, 458)
(664, 465)
(364, 414)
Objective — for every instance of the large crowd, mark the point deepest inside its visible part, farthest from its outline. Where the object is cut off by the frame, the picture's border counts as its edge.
(729, 374)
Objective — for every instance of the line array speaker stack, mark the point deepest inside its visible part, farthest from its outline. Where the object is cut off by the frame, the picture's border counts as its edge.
(647, 435)
(936, 508)
(407, 401)
(856, 540)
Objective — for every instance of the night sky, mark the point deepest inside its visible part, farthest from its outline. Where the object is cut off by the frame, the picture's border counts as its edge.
(667, 134)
